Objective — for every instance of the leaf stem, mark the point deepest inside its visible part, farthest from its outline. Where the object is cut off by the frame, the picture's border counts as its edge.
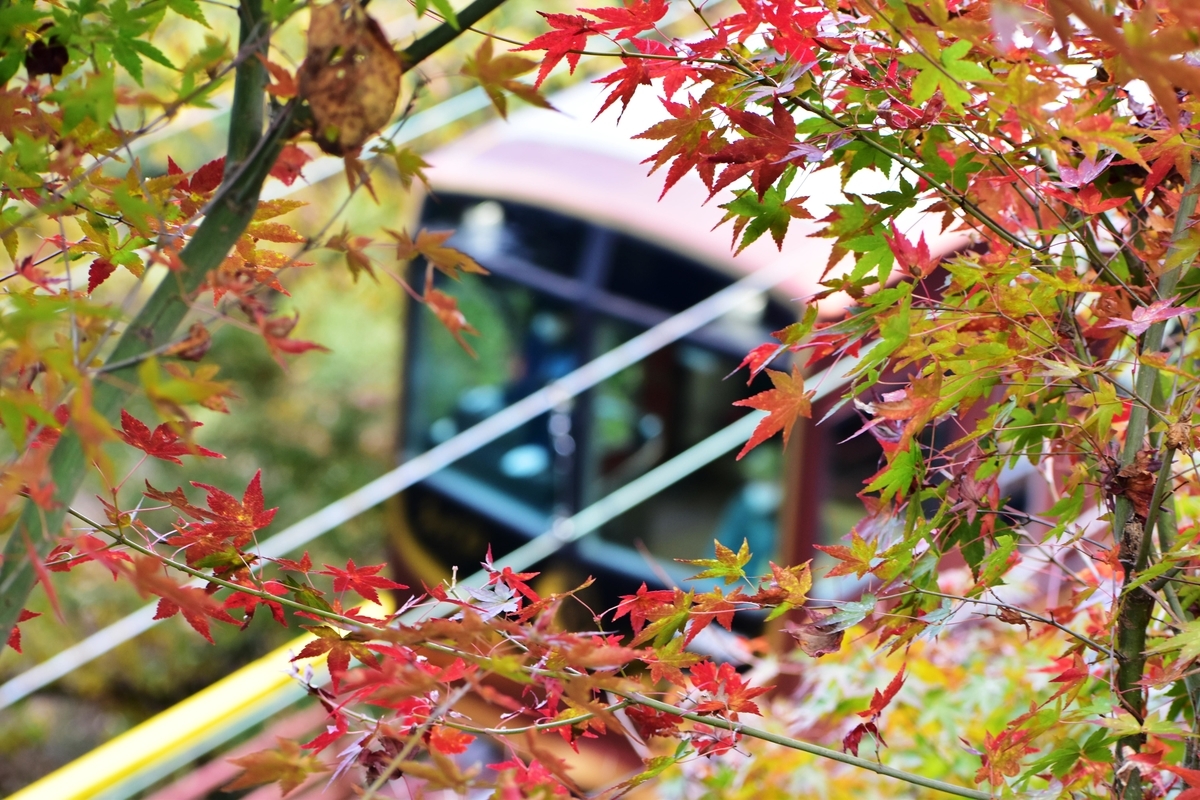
(1092, 643)
(806, 747)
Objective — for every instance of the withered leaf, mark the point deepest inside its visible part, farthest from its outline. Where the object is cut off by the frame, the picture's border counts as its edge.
(1136, 481)
(193, 346)
(350, 76)
(46, 57)
(819, 636)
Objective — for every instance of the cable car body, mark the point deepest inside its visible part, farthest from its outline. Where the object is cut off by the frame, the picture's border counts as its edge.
(585, 251)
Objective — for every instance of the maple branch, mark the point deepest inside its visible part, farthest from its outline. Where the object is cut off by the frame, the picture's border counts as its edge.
(1092, 643)
(805, 747)
(540, 726)
(621, 51)
(946, 191)
(1135, 612)
(122, 539)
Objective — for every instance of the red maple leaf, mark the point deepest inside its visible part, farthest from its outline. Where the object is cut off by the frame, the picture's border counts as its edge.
(35, 275)
(764, 153)
(650, 722)
(758, 358)
(1145, 316)
(363, 581)
(517, 581)
(445, 308)
(449, 741)
(637, 72)
(569, 36)
(283, 83)
(709, 607)
(635, 17)
(98, 272)
(915, 259)
(645, 606)
(275, 332)
(14, 636)
(164, 442)
(1191, 777)
(1088, 199)
(725, 690)
(691, 137)
(208, 177)
(249, 602)
(304, 565)
(196, 607)
(227, 518)
(786, 404)
(340, 650)
(175, 169)
(628, 78)
(287, 167)
(879, 701)
(93, 548)
(332, 734)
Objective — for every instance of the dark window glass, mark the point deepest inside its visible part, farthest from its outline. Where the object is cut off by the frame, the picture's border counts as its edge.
(653, 411)
(530, 340)
(655, 276)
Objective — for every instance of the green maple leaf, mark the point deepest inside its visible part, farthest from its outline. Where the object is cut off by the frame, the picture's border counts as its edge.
(948, 74)
(774, 213)
(896, 478)
(189, 9)
(996, 564)
(1186, 642)
(727, 565)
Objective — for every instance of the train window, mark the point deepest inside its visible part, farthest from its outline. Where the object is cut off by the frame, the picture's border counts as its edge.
(530, 341)
(655, 410)
(538, 328)
(660, 278)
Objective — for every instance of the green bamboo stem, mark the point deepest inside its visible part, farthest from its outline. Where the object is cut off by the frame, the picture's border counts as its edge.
(230, 212)
(445, 33)
(249, 157)
(1136, 609)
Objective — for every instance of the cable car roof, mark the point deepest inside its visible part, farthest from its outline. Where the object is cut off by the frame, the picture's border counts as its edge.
(566, 162)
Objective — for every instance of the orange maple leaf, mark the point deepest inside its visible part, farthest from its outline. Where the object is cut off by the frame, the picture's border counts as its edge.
(786, 404)
(287, 766)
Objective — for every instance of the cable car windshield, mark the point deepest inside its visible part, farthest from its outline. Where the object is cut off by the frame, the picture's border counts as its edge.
(562, 292)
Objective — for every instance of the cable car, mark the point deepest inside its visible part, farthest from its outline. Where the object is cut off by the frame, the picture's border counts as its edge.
(584, 255)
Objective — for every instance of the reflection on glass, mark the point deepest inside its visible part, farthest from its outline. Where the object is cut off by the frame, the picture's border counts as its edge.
(530, 341)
